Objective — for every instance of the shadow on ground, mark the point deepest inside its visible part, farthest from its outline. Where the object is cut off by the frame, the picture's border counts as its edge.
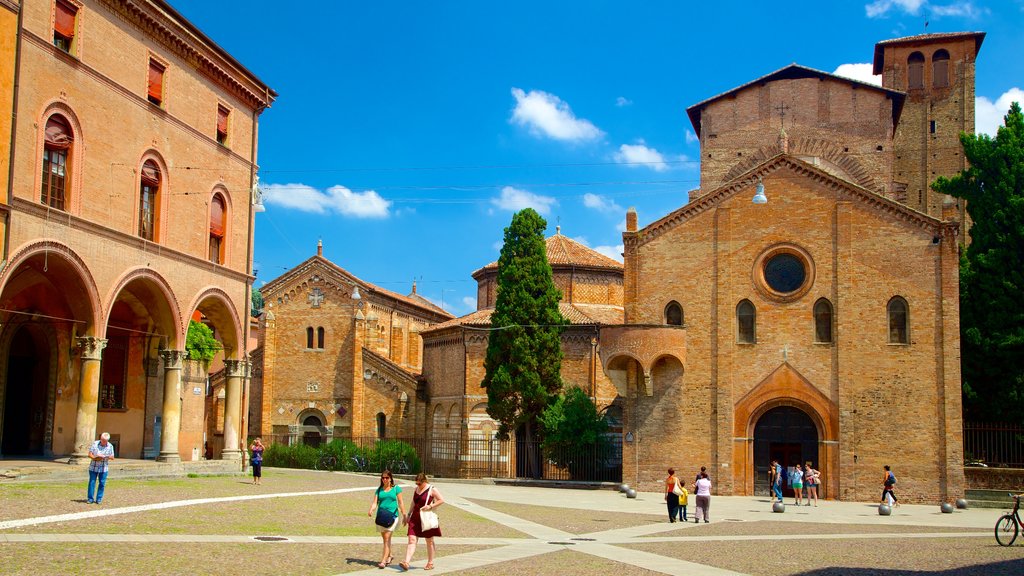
(1004, 568)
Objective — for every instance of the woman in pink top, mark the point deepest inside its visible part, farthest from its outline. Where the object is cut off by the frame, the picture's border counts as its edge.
(702, 488)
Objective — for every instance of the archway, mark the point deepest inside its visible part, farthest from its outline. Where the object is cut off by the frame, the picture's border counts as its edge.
(786, 434)
(27, 400)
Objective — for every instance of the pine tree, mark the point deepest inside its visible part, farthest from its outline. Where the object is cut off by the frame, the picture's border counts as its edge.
(524, 352)
(992, 271)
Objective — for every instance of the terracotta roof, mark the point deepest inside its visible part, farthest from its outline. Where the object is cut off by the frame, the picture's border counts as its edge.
(879, 64)
(793, 72)
(576, 314)
(564, 251)
(369, 356)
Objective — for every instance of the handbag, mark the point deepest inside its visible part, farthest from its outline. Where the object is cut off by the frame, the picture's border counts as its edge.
(385, 518)
(676, 489)
(428, 519)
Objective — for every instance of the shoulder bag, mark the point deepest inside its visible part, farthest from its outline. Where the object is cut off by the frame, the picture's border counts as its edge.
(428, 519)
(676, 488)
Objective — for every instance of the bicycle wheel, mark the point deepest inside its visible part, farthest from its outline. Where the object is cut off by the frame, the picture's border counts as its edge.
(1006, 530)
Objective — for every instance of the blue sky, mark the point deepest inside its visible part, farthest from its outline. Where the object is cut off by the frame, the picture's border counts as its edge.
(406, 133)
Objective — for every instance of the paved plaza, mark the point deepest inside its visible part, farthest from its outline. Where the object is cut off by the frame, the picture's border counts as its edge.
(304, 522)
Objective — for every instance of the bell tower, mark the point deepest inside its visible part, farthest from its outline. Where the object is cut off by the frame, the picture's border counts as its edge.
(936, 71)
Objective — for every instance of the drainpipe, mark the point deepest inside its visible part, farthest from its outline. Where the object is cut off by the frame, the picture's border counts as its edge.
(14, 132)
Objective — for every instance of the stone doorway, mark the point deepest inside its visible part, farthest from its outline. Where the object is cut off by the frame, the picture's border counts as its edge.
(26, 394)
(786, 434)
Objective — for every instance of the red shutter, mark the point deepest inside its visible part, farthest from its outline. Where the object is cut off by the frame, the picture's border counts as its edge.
(222, 121)
(217, 217)
(64, 19)
(58, 133)
(150, 174)
(156, 81)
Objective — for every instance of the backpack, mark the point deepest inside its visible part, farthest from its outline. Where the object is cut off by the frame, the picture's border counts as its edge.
(892, 478)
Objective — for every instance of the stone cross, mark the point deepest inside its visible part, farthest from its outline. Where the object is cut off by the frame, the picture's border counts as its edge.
(316, 297)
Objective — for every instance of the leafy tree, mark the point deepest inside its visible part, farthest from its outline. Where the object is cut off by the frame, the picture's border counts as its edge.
(574, 434)
(524, 352)
(992, 271)
(256, 298)
(200, 343)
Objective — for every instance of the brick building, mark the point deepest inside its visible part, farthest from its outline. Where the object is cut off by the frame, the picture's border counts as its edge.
(339, 357)
(129, 212)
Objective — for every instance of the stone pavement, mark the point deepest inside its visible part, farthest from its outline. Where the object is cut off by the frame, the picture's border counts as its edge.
(541, 539)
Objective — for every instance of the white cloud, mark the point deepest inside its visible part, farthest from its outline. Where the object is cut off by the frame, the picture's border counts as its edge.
(640, 155)
(600, 203)
(613, 252)
(623, 101)
(336, 199)
(957, 8)
(861, 72)
(514, 200)
(469, 302)
(546, 114)
(988, 115)
(582, 240)
(691, 137)
(498, 245)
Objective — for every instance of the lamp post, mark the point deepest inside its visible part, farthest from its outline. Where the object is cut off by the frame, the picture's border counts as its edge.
(759, 197)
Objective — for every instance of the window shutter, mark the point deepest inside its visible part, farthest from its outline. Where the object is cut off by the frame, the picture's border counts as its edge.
(217, 217)
(64, 19)
(58, 133)
(222, 121)
(150, 174)
(156, 81)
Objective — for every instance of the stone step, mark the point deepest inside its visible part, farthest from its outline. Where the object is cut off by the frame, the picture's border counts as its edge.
(998, 495)
(989, 504)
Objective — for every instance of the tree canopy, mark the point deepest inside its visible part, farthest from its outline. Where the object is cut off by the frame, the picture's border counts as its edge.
(524, 353)
(992, 271)
(575, 434)
(200, 343)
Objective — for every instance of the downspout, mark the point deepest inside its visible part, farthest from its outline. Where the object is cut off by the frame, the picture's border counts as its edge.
(14, 132)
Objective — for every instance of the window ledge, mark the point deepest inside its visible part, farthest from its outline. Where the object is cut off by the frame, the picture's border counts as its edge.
(312, 349)
(112, 410)
(899, 344)
(824, 344)
(747, 344)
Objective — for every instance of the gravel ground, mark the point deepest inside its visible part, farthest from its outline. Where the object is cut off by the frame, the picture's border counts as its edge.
(938, 557)
(769, 527)
(573, 521)
(331, 515)
(558, 564)
(257, 559)
(43, 499)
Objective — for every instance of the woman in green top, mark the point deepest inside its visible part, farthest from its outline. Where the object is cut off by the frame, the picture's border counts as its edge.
(387, 497)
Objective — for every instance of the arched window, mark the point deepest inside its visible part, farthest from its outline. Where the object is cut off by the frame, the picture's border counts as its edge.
(915, 71)
(58, 139)
(674, 314)
(823, 320)
(217, 220)
(309, 337)
(311, 420)
(382, 422)
(149, 195)
(940, 69)
(899, 321)
(746, 320)
(320, 337)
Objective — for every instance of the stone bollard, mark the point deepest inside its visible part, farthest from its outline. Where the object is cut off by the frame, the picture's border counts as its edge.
(623, 488)
(630, 493)
(778, 507)
(884, 510)
(946, 508)
(961, 504)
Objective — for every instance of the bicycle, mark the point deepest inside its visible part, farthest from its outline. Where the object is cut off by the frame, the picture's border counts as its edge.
(399, 466)
(358, 464)
(327, 462)
(1010, 524)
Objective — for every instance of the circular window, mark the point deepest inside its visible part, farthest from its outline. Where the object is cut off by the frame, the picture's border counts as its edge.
(784, 273)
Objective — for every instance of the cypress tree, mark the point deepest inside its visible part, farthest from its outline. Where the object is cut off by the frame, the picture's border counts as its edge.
(524, 352)
(992, 271)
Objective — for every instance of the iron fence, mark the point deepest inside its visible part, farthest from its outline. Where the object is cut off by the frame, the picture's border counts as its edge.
(994, 444)
(452, 456)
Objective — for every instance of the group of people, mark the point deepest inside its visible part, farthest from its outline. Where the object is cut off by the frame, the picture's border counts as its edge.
(800, 478)
(390, 514)
(677, 497)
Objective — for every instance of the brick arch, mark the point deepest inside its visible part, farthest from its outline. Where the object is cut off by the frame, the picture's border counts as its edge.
(73, 194)
(216, 305)
(78, 278)
(170, 315)
(785, 387)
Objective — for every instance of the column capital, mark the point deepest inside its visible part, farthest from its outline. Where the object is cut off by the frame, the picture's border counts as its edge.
(91, 347)
(236, 368)
(173, 359)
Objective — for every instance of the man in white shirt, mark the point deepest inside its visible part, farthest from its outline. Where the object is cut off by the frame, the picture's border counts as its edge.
(100, 454)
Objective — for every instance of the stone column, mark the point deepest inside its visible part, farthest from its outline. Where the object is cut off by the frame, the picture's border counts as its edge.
(234, 371)
(171, 415)
(88, 396)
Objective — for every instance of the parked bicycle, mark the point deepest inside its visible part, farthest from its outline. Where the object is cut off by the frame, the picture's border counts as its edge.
(327, 462)
(1009, 525)
(358, 464)
(399, 466)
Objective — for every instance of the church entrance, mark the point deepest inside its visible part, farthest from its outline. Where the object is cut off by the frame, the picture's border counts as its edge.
(26, 393)
(788, 435)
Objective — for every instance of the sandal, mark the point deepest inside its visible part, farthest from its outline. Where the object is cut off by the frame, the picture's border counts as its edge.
(381, 565)
(404, 566)
(429, 566)
(389, 560)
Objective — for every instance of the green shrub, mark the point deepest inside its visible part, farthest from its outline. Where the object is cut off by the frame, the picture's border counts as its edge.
(386, 454)
(297, 456)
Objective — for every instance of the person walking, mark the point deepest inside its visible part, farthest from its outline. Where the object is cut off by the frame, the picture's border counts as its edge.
(672, 493)
(812, 478)
(387, 502)
(702, 488)
(683, 498)
(101, 453)
(256, 459)
(888, 481)
(775, 480)
(425, 498)
(796, 481)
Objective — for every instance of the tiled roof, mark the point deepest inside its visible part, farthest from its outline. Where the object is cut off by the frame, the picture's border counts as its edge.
(564, 251)
(576, 314)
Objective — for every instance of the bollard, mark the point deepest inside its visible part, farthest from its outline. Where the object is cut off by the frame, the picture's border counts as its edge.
(630, 493)
(961, 503)
(623, 488)
(884, 510)
(946, 508)
(778, 507)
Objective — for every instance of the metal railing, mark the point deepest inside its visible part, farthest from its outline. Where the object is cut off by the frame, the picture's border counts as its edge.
(994, 444)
